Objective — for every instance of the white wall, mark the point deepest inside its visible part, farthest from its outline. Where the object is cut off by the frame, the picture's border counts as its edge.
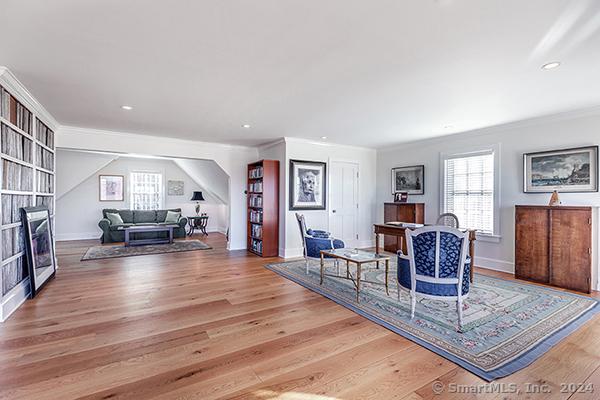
(560, 131)
(232, 159)
(298, 149)
(79, 210)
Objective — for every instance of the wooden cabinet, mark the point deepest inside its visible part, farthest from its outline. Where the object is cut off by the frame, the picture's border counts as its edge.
(401, 212)
(263, 208)
(553, 245)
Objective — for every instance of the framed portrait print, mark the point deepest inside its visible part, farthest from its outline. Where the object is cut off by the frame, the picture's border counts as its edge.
(111, 187)
(39, 246)
(568, 170)
(308, 185)
(409, 179)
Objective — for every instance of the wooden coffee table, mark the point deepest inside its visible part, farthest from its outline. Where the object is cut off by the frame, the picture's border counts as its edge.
(149, 228)
(358, 257)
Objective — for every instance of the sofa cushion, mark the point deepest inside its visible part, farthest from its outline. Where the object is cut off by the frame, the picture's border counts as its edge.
(161, 215)
(114, 218)
(119, 227)
(173, 216)
(144, 216)
(127, 216)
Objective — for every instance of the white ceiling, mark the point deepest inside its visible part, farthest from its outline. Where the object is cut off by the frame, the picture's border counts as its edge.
(361, 72)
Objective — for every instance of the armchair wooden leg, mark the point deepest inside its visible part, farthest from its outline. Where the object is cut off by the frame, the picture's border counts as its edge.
(459, 308)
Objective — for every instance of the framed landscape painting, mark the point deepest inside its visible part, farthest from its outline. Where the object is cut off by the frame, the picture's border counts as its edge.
(568, 170)
(410, 180)
(308, 185)
(111, 187)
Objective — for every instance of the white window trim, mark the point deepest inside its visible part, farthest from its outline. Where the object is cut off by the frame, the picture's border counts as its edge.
(162, 204)
(474, 151)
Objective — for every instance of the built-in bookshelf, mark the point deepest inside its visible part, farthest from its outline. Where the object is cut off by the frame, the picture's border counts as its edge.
(263, 208)
(27, 164)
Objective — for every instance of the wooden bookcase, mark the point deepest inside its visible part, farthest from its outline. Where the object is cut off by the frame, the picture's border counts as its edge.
(263, 208)
(27, 165)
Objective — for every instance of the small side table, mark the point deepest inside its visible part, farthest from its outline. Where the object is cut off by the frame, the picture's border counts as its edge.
(197, 222)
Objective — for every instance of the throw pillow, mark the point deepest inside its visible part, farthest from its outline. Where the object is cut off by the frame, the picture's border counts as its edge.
(115, 219)
(172, 217)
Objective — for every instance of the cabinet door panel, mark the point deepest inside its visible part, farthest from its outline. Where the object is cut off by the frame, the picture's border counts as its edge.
(406, 213)
(532, 244)
(570, 258)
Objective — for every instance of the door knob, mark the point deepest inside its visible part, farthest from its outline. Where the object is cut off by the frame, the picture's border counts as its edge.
(333, 211)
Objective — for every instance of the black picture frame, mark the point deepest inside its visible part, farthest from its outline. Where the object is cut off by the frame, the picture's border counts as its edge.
(39, 247)
(420, 170)
(319, 169)
(528, 172)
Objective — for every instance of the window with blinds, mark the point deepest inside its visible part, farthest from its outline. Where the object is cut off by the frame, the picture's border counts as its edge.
(469, 190)
(146, 190)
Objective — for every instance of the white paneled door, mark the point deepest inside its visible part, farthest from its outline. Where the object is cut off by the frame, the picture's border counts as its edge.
(343, 202)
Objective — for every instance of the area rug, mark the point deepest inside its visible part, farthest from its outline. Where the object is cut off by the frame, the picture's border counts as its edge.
(100, 252)
(507, 324)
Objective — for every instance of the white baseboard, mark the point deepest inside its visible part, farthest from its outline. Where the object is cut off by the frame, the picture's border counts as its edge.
(292, 253)
(13, 299)
(495, 265)
(61, 237)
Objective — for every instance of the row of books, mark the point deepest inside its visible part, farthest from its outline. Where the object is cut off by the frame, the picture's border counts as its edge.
(12, 242)
(256, 245)
(256, 173)
(15, 145)
(256, 187)
(11, 207)
(256, 231)
(47, 201)
(44, 158)
(4, 103)
(256, 216)
(44, 134)
(17, 177)
(45, 182)
(22, 119)
(13, 273)
(255, 200)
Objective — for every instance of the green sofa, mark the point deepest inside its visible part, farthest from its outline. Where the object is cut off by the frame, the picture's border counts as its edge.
(116, 233)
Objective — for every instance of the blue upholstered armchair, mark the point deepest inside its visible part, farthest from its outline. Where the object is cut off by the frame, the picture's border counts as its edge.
(437, 266)
(314, 241)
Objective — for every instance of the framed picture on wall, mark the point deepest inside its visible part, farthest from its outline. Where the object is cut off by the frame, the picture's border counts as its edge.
(408, 179)
(111, 187)
(568, 170)
(175, 188)
(308, 185)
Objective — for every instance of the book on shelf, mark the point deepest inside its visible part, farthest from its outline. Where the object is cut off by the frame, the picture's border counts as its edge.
(256, 231)
(11, 207)
(16, 177)
(13, 273)
(4, 103)
(256, 173)
(45, 182)
(44, 134)
(256, 200)
(15, 145)
(257, 246)
(255, 216)
(44, 158)
(255, 187)
(12, 242)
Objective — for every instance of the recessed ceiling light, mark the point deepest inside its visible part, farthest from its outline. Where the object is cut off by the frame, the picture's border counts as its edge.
(246, 126)
(448, 126)
(551, 65)
(324, 137)
(128, 108)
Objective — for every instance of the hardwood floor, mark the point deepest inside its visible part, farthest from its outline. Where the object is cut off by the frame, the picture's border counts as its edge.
(215, 324)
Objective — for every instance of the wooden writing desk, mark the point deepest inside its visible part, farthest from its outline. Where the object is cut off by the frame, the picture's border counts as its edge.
(400, 231)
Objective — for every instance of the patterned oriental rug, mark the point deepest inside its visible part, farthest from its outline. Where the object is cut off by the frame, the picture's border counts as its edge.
(507, 324)
(100, 252)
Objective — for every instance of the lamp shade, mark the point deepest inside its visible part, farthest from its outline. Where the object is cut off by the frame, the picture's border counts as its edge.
(197, 196)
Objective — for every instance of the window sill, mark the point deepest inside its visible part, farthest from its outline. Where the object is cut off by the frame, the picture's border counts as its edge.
(486, 237)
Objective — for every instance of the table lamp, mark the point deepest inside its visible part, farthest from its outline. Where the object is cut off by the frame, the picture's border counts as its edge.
(197, 197)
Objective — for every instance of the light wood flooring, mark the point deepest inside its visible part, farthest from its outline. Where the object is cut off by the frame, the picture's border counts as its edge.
(217, 325)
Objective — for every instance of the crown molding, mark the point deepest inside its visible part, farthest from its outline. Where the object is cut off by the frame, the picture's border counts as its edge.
(524, 123)
(74, 130)
(268, 145)
(10, 82)
(288, 139)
